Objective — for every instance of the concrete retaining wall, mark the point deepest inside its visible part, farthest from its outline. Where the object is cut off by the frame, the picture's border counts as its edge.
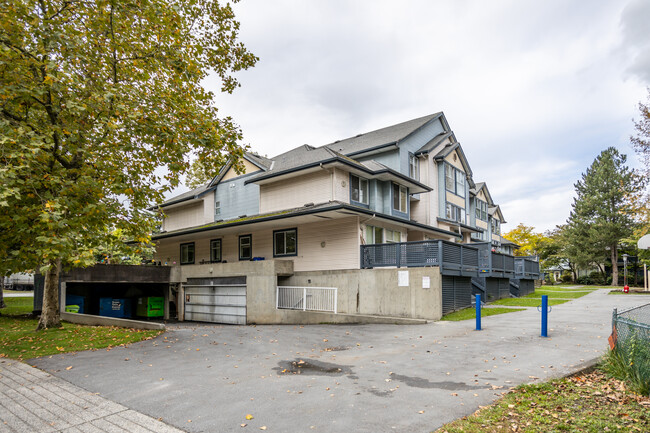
(87, 319)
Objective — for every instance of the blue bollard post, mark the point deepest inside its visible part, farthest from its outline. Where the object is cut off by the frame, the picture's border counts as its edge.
(478, 312)
(544, 315)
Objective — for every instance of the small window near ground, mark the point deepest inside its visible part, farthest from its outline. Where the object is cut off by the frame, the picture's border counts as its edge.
(187, 254)
(285, 243)
(215, 250)
(245, 247)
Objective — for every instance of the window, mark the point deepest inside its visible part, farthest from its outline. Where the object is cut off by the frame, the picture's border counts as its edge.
(358, 189)
(481, 210)
(455, 213)
(285, 243)
(187, 254)
(414, 167)
(379, 235)
(400, 198)
(480, 236)
(245, 247)
(496, 226)
(215, 250)
(217, 209)
(454, 180)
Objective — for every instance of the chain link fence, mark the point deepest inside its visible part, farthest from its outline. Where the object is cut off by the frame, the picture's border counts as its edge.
(631, 339)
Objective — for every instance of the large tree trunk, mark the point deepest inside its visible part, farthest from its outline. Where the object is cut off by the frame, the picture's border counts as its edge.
(614, 266)
(51, 316)
(2, 294)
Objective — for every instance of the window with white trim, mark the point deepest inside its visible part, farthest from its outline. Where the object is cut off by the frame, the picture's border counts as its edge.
(455, 213)
(358, 189)
(400, 198)
(480, 236)
(414, 167)
(392, 236)
(496, 226)
(481, 209)
(454, 180)
(374, 235)
(215, 250)
(285, 243)
(217, 209)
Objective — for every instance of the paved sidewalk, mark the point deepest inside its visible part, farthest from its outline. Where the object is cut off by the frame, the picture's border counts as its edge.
(32, 401)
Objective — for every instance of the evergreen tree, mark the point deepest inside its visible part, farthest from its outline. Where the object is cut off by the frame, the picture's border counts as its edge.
(602, 212)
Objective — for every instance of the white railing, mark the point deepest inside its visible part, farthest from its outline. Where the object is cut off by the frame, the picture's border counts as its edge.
(306, 298)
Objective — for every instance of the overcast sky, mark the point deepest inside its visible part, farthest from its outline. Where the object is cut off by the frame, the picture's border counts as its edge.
(533, 90)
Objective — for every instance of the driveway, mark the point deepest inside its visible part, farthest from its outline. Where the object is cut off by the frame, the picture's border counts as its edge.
(340, 378)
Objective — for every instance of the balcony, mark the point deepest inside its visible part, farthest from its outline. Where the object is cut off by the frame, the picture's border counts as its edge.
(453, 259)
(526, 268)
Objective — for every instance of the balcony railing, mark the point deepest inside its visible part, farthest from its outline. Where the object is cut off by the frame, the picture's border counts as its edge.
(496, 264)
(453, 259)
(526, 268)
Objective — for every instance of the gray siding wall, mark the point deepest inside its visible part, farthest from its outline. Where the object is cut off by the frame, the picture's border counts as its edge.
(415, 141)
(389, 159)
(442, 191)
(237, 199)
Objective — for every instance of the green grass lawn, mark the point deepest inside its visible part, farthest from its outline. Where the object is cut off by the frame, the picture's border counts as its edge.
(562, 294)
(19, 340)
(592, 402)
(470, 313)
(526, 302)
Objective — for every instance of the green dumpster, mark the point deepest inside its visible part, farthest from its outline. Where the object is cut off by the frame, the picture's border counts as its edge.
(151, 306)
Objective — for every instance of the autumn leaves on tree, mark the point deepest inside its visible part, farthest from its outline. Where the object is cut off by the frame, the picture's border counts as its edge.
(101, 108)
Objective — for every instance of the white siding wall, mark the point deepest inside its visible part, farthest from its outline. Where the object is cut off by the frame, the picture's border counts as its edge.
(341, 186)
(208, 208)
(341, 250)
(295, 192)
(186, 216)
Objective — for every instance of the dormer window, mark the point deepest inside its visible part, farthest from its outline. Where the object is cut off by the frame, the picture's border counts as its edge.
(358, 189)
(454, 180)
(481, 210)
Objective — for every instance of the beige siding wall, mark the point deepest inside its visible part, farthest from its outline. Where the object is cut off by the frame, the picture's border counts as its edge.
(481, 195)
(481, 224)
(419, 209)
(450, 159)
(295, 192)
(186, 216)
(341, 185)
(248, 168)
(208, 207)
(339, 237)
(454, 199)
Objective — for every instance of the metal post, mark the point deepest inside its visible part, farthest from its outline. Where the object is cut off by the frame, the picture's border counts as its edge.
(478, 312)
(399, 255)
(304, 298)
(544, 315)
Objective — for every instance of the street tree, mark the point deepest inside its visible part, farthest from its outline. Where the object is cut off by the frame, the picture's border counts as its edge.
(603, 211)
(101, 109)
(527, 239)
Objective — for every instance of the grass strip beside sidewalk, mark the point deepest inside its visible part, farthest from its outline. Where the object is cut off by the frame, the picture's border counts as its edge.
(19, 340)
(470, 313)
(590, 402)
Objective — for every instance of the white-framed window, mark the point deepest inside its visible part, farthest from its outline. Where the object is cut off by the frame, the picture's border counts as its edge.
(454, 180)
(379, 235)
(480, 236)
(481, 210)
(414, 167)
(400, 198)
(358, 189)
(217, 209)
(215, 250)
(455, 213)
(496, 226)
(187, 253)
(285, 242)
(245, 247)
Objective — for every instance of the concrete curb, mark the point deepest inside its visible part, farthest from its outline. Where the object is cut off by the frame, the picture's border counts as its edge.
(87, 319)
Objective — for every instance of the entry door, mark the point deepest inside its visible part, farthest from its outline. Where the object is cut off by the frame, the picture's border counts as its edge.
(215, 301)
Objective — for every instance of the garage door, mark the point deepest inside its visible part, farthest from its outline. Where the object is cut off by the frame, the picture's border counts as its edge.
(216, 300)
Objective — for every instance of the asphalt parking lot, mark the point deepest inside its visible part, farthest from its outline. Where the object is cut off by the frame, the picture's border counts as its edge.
(339, 378)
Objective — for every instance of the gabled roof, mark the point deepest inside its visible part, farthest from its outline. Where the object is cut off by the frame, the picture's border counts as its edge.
(482, 186)
(447, 150)
(434, 142)
(262, 162)
(184, 197)
(390, 135)
(492, 210)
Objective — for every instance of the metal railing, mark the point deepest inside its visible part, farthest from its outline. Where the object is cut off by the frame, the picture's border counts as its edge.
(306, 298)
(526, 268)
(448, 255)
(501, 263)
(631, 337)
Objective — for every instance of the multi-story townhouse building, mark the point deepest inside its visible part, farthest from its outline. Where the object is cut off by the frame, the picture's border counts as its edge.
(388, 223)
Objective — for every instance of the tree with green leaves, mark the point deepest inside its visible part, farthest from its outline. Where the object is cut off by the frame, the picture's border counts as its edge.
(527, 239)
(101, 109)
(641, 143)
(603, 211)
